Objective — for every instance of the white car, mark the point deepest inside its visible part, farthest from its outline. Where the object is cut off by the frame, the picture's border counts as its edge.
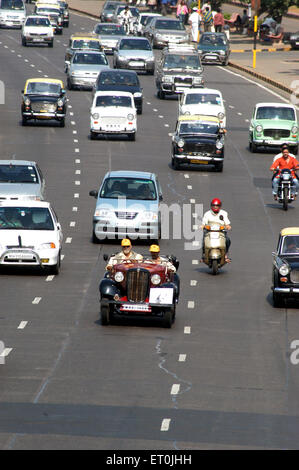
(113, 112)
(205, 101)
(37, 29)
(30, 235)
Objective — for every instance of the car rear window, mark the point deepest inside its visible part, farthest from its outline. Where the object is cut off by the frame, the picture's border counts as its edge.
(118, 78)
(273, 112)
(113, 30)
(169, 24)
(135, 44)
(129, 188)
(90, 59)
(18, 174)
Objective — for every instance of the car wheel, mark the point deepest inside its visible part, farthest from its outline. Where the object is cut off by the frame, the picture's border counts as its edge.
(219, 167)
(92, 135)
(104, 312)
(225, 62)
(252, 147)
(278, 300)
(50, 44)
(24, 121)
(24, 43)
(94, 238)
(161, 94)
(132, 137)
(175, 164)
(55, 269)
(151, 72)
(168, 317)
(69, 85)
(62, 123)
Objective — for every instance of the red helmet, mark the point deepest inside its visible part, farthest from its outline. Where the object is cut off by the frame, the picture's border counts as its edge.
(216, 204)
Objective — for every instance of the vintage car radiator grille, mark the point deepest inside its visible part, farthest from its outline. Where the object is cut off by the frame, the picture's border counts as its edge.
(198, 147)
(276, 133)
(294, 276)
(137, 284)
(42, 106)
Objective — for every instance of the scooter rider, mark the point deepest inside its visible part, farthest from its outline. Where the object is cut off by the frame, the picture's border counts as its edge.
(126, 254)
(282, 163)
(219, 216)
(126, 16)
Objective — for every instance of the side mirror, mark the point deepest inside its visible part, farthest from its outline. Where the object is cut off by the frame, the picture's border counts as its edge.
(93, 193)
(58, 226)
(105, 257)
(160, 197)
(63, 92)
(22, 91)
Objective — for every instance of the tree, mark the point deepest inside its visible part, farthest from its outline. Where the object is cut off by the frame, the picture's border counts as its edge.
(276, 8)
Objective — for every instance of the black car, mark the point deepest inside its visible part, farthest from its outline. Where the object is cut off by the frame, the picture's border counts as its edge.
(121, 80)
(214, 48)
(198, 140)
(285, 273)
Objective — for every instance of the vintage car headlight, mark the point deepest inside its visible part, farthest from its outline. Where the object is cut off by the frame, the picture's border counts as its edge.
(294, 130)
(60, 103)
(181, 143)
(47, 246)
(220, 115)
(119, 277)
(198, 80)
(284, 270)
(95, 116)
(187, 113)
(155, 279)
(219, 145)
(259, 128)
(27, 101)
(137, 94)
(130, 117)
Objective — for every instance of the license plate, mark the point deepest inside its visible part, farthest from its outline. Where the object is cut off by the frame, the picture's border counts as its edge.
(213, 57)
(136, 308)
(136, 64)
(36, 40)
(19, 256)
(204, 162)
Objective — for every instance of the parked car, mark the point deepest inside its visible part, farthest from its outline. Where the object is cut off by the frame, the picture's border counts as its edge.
(134, 53)
(44, 99)
(127, 206)
(214, 48)
(30, 235)
(178, 69)
(285, 272)
(52, 11)
(37, 30)
(21, 179)
(80, 42)
(198, 140)
(121, 80)
(163, 31)
(272, 125)
(108, 10)
(113, 113)
(84, 69)
(206, 101)
(109, 34)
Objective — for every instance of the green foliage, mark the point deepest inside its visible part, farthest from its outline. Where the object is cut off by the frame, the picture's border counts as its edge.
(277, 8)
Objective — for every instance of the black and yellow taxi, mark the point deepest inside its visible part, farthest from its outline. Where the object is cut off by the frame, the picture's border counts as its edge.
(79, 42)
(44, 99)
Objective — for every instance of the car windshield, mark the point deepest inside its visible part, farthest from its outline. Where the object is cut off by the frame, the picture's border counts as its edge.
(133, 10)
(12, 5)
(25, 218)
(290, 245)
(133, 44)
(118, 78)
(129, 188)
(86, 44)
(201, 98)
(37, 22)
(180, 61)
(210, 39)
(198, 128)
(90, 59)
(111, 30)
(43, 88)
(274, 112)
(123, 101)
(47, 10)
(169, 24)
(18, 174)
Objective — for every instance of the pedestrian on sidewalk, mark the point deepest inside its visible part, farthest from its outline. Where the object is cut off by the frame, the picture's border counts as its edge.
(207, 20)
(194, 21)
(205, 6)
(182, 11)
(218, 21)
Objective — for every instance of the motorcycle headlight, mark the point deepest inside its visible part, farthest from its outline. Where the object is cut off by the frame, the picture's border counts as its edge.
(47, 246)
(137, 94)
(219, 145)
(119, 277)
(259, 128)
(130, 117)
(27, 101)
(60, 103)
(221, 115)
(155, 279)
(286, 176)
(181, 143)
(95, 116)
(284, 270)
(294, 130)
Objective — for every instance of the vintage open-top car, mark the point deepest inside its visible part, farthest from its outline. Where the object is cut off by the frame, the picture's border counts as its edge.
(139, 289)
(285, 275)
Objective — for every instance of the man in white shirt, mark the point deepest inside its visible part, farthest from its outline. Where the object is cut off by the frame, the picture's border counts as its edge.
(125, 17)
(194, 20)
(217, 215)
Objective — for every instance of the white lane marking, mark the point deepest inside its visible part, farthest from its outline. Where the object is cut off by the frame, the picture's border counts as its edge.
(36, 300)
(182, 357)
(57, 40)
(62, 257)
(6, 47)
(195, 261)
(187, 330)
(74, 132)
(193, 282)
(32, 65)
(239, 114)
(154, 109)
(148, 102)
(192, 201)
(77, 150)
(72, 224)
(50, 278)
(40, 71)
(191, 304)
(12, 50)
(189, 186)
(70, 106)
(75, 209)
(71, 114)
(73, 123)
(231, 107)
(46, 76)
(77, 183)
(78, 172)
(165, 424)
(26, 60)
(170, 134)
(76, 196)
(161, 117)
(246, 120)
(22, 325)
(5, 352)
(77, 160)
(166, 125)
(186, 176)
(68, 240)
(175, 389)
(19, 55)
(75, 141)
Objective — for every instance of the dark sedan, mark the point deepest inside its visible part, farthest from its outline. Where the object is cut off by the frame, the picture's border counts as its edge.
(121, 80)
(214, 48)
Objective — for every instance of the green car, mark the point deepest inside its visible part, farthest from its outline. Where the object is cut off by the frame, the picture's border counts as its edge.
(213, 48)
(272, 125)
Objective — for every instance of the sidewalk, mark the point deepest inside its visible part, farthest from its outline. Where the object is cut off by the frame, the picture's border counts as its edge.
(281, 67)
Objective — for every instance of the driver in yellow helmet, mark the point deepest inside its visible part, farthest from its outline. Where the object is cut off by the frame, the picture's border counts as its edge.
(126, 254)
(157, 259)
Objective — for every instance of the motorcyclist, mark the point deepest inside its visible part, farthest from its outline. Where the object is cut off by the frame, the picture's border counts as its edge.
(126, 254)
(279, 155)
(218, 216)
(285, 162)
(126, 17)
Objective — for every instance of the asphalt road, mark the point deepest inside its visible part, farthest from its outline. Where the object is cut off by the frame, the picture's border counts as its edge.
(222, 374)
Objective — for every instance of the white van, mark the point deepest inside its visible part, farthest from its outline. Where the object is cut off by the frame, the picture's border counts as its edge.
(12, 13)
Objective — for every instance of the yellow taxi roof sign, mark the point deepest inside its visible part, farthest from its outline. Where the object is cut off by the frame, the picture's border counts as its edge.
(198, 117)
(43, 80)
(289, 231)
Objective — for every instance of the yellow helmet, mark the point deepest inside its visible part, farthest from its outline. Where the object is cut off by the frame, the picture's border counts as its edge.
(154, 249)
(125, 242)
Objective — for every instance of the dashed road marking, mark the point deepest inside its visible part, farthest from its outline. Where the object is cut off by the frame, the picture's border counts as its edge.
(68, 240)
(75, 209)
(182, 357)
(193, 282)
(77, 150)
(50, 278)
(78, 172)
(187, 330)
(36, 300)
(76, 196)
(165, 424)
(77, 183)
(189, 186)
(22, 325)
(192, 201)
(191, 304)
(175, 389)
(195, 261)
(72, 224)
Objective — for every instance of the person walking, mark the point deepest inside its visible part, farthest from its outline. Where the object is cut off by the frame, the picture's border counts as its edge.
(218, 21)
(207, 20)
(182, 11)
(152, 5)
(194, 21)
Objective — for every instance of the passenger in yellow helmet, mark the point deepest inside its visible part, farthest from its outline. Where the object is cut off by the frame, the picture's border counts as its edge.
(157, 259)
(126, 254)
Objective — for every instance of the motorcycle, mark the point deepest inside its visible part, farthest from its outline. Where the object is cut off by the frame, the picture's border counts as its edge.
(284, 192)
(129, 25)
(214, 247)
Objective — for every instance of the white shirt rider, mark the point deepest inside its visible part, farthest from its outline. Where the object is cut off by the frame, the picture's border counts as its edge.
(210, 218)
(126, 15)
